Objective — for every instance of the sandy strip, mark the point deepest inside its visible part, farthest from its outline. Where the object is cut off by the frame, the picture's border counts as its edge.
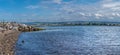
(7, 42)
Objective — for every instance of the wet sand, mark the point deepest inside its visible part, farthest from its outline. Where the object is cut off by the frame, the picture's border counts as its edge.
(7, 42)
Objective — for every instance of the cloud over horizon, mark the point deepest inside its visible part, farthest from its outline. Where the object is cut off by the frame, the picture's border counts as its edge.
(69, 10)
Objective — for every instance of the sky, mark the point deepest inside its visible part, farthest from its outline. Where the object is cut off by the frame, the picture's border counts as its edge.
(59, 10)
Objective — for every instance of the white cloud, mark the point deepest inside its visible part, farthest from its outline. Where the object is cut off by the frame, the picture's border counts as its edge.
(83, 14)
(98, 15)
(113, 14)
(116, 14)
(116, 8)
(105, 9)
(110, 5)
(57, 1)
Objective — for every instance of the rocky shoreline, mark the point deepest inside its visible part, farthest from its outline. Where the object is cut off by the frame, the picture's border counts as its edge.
(7, 41)
(9, 33)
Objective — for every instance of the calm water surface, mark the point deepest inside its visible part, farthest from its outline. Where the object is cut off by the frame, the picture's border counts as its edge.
(71, 40)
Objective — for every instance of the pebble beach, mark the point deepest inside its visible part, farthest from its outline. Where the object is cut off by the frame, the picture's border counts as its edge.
(7, 42)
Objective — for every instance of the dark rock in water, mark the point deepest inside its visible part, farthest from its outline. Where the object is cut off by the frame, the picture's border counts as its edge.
(23, 41)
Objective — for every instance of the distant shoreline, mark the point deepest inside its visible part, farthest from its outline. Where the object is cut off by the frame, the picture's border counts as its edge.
(75, 23)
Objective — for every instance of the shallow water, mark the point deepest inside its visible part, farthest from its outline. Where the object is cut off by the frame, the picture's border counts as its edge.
(71, 40)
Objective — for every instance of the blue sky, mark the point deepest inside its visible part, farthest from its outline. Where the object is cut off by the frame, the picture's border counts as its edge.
(59, 10)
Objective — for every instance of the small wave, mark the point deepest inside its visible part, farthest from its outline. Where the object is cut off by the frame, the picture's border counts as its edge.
(54, 30)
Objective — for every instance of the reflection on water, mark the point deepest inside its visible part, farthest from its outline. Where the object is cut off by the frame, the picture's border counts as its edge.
(71, 40)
